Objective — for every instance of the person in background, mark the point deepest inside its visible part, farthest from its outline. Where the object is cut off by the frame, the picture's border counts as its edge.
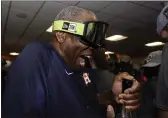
(5, 65)
(151, 72)
(151, 68)
(41, 81)
(112, 59)
(162, 85)
(3, 75)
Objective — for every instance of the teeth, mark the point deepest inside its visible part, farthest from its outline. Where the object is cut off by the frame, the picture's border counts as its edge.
(82, 62)
(88, 56)
(82, 59)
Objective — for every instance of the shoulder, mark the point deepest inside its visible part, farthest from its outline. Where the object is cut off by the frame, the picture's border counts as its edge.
(164, 68)
(33, 54)
(165, 48)
(34, 47)
(165, 54)
(164, 57)
(34, 50)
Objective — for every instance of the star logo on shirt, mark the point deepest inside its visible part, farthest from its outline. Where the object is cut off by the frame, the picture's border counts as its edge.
(86, 78)
(68, 72)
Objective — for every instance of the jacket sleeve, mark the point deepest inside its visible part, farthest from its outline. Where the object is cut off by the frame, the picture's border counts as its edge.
(25, 91)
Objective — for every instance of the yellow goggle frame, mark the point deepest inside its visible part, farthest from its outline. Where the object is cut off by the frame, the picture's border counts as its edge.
(72, 27)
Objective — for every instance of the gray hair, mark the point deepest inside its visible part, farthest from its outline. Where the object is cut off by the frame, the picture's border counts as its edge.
(71, 13)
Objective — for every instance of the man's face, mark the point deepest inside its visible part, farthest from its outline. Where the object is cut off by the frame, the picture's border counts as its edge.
(164, 34)
(73, 49)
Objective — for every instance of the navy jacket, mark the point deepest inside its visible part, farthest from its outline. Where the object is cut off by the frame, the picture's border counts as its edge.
(41, 85)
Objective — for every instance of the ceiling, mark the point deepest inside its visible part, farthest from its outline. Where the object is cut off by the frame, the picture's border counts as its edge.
(25, 21)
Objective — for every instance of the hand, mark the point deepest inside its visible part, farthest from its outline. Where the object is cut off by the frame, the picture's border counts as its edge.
(131, 96)
(110, 112)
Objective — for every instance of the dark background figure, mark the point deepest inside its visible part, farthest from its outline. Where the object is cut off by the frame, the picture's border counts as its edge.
(151, 71)
(3, 75)
(162, 85)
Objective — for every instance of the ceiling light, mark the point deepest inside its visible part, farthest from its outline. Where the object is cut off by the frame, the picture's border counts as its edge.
(108, 52)
(153, 44)
(116, 38)
(49, 29)
(14, 53)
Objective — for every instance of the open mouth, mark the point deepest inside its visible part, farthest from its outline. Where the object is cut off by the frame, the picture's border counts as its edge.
(83, 59)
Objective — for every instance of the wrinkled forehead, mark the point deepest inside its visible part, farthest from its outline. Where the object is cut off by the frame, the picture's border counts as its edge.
(86, 16)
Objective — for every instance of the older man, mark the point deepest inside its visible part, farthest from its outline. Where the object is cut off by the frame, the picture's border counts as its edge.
(41, 82)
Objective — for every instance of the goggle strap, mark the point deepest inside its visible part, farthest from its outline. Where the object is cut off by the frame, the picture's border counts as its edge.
(69, 27)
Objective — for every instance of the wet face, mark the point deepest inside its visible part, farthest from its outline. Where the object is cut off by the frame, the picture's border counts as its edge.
(71, 48)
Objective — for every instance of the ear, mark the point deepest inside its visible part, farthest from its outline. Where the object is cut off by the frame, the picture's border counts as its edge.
(60, 37)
